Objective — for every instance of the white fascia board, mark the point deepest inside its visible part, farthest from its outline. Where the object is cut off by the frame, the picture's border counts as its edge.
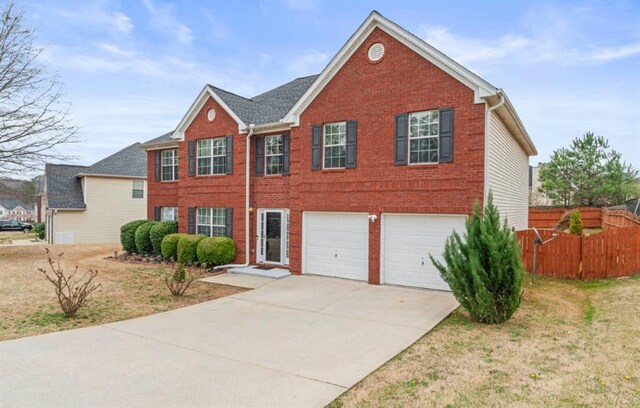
(480, 87)
(197, 105)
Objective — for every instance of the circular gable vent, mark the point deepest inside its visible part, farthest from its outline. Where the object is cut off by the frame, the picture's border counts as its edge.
(376, 51)
(211, 115)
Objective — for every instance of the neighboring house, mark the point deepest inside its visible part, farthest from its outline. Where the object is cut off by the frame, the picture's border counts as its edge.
(632, 205)
(89, 204)
(359, 172)
(14, 209)
(536, 197)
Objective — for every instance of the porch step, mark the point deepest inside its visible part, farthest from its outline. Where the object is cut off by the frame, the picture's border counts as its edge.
(274, 273)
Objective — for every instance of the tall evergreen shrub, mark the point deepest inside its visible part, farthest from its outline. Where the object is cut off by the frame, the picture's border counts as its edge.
(483, 267)
(575, 222)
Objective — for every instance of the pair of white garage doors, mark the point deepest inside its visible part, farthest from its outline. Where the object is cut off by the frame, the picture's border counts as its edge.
(337, 244)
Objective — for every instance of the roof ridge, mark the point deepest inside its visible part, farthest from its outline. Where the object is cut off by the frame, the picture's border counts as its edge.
(113, 154)
(280, 86)
(232, 93)
(66, 165)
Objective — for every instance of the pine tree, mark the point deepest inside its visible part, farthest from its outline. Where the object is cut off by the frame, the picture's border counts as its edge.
(483, 267)
(575, 223)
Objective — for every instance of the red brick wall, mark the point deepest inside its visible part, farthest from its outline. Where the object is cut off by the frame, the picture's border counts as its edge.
(373, 94)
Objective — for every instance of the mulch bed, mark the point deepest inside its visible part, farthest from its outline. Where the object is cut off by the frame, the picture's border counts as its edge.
(134, 259)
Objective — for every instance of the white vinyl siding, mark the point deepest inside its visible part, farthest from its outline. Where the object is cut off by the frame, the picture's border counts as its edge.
(508, 174)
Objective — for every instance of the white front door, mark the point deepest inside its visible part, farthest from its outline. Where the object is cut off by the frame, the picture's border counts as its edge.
(273, 236)
(407, 242)
(336, 244)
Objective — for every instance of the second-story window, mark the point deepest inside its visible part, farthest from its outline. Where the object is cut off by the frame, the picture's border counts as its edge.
(335, 139)
(424, 134)
(137, 190)
(170, 165)
(212, 155)
(274, 154)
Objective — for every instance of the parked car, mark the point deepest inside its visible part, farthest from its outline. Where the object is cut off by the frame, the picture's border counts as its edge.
(15, 226)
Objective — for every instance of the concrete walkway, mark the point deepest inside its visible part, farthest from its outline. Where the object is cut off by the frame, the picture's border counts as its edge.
(300, 341)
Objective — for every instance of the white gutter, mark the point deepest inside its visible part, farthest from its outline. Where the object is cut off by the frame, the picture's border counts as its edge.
(247, 240)
(487, 128)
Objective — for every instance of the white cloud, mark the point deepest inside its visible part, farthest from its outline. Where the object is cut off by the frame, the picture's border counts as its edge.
(308, 64)
(164, 19)
(94, 15)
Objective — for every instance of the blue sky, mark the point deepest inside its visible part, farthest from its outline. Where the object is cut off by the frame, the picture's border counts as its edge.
(132, 68)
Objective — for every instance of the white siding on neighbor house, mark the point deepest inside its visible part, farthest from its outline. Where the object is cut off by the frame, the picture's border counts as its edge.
(508, 174)
(109, 205)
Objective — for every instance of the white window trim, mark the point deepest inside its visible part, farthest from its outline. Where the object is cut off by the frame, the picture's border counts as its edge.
(133, 188)
(211, 155)
(266, 155)
(173, 166)
(211, 225)
(409, 138)
(174, 212)
(324, 145)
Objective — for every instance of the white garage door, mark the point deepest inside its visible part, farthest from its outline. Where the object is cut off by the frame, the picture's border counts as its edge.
(336, 244)
(407, 242)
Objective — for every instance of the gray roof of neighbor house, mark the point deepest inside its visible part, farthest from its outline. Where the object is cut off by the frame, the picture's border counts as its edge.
(12, 203)
(64, 189)
(160, 139)
(268, 107)
(130, 161)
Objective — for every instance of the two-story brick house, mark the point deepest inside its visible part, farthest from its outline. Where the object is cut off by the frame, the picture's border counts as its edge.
(359, 172)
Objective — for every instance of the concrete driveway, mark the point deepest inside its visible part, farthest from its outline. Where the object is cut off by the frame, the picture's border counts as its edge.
(300, 341)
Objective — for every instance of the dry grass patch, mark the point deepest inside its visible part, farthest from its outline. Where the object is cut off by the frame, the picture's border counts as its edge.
(7, 236)
(570, 344)
(28, 305)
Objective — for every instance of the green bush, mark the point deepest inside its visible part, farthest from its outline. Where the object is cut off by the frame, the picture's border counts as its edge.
(483, 267)
(187, 249)
(143, 240)
(127, 235)
(575, 223)
(39, 230)
(216, 251)
(159, 231)
(169, 246)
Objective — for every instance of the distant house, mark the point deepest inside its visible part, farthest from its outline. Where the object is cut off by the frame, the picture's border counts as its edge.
(14, 209)
(88, 204)
(536, 197)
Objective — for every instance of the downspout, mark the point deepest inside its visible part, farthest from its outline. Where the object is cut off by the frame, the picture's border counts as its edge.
(487, 129)
(247, 213)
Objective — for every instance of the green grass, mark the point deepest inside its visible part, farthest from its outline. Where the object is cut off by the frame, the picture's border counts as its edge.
(589, 312)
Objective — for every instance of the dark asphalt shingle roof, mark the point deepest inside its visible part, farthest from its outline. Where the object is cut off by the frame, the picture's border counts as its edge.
(64, 189)
(130, 161)
(268, 107)
(12, 203)
(160, 139)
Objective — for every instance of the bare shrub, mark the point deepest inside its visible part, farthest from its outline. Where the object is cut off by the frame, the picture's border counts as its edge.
(179, 278)
(72, 292)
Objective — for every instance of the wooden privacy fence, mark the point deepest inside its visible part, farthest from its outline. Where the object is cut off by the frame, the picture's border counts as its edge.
(592, 217)
(611, 253)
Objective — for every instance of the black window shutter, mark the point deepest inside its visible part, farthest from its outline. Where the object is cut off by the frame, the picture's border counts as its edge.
(446, 135)
(192, 157)
(192, 221)
(402, 128)
(259, 155)
(286, 153)
(157, 165)
(352, 127)
(156, 213)
(228, 163)
(316, 148)
(228, 221)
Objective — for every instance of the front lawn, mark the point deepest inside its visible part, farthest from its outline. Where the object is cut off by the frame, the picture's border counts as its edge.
(570, 344)
(28, 304)
(6, 236)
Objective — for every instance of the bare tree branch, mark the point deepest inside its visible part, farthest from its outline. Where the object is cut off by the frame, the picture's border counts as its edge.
(33, 117)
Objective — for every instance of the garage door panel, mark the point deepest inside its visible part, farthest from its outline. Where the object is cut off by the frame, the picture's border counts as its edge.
(408, 242)
(337, 244)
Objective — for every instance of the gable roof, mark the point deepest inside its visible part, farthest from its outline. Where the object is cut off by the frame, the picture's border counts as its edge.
(64, 189)
(12, 203)
(267, 108)
(128, 162)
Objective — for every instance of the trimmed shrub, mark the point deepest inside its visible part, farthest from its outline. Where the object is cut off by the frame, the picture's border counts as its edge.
(169, 246)
(216, 251)
(39, 230)
(575, 223)
(159, 231)
(483, 267)
(143, 240)
(127, 235)
(187, 249)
